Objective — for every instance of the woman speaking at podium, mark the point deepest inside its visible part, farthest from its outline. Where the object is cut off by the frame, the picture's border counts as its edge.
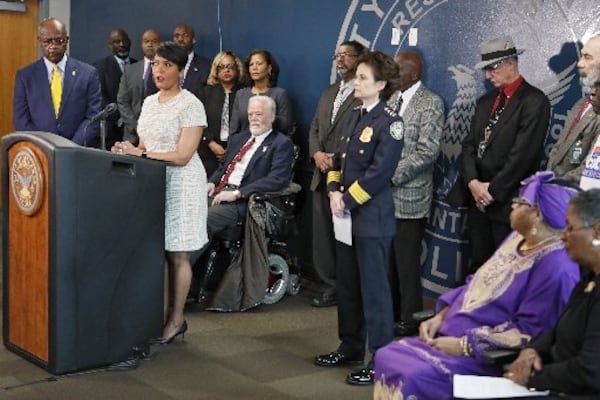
(170, 129)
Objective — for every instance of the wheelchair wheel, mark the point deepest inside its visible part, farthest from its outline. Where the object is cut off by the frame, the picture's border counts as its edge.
(279, 276)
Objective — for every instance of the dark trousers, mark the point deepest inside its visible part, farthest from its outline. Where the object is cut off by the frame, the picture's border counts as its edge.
(405, 268)
(221, 216)
(363, 295)
(485, 235)
(323, 245)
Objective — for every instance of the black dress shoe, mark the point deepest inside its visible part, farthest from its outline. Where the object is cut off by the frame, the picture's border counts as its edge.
(405, 329)
(336, 359)
(324, 300)
(363, 376)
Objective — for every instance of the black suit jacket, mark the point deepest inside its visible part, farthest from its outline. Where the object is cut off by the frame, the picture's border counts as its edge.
(197, 74)
(571, 351)
(110, 76)
(213, 97)
(514, 149)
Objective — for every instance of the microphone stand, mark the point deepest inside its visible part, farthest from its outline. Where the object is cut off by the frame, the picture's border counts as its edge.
(103, 133)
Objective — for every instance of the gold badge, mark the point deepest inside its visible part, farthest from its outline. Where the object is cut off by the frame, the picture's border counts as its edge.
(366, 135)
(26, 181)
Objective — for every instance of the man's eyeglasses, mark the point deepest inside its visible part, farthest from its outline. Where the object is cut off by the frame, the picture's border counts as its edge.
(494, 66)
(343, 55)
(55, 41)
(229, 67)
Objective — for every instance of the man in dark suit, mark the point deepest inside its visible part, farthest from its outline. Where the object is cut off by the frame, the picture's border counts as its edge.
(412, 187)
(57, 94)
(137, 83)
(259, 160)
(335, 104)
(503, 146)
(110, 70)
(567, 157)
(197, 68)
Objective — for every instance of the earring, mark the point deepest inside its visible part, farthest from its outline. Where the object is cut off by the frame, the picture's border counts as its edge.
(533, 231)
(595, 242)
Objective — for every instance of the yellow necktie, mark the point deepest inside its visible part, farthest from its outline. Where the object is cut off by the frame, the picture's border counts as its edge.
(56, 89)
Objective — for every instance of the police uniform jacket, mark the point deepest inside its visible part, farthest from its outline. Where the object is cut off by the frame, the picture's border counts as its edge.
(364, 164)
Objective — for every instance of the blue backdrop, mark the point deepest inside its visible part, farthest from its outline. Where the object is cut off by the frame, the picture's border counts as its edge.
(304, 34)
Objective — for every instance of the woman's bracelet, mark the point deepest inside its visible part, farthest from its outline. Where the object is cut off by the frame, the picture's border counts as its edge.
(467, 350)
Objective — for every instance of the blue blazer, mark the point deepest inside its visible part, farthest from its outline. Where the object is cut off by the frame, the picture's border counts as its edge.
(270, 168)
(197, 75)
(367, 156)
(81, 100)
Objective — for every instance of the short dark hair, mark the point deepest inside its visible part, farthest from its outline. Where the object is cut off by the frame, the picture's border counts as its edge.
(358, 48)
(270, 61)
(586, 205)
(384, 69)
(173, 52)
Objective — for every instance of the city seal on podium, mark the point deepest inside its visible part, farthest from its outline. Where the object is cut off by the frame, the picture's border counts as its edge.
(26, 181)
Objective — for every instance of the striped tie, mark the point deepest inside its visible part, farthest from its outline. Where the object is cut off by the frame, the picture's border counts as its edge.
(56, 89)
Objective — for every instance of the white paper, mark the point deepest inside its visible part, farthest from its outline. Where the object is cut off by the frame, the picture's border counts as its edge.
(490, 387)
(413, 36)
(342, 228)
(395, 36)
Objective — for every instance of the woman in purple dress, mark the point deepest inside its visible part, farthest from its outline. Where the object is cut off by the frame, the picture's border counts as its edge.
(516, 295)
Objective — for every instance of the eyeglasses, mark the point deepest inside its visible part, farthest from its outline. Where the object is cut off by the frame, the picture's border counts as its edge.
(494, 66)
(56, 41)
(343, 55)
(570, 229)
(229, 67)
(520, 202)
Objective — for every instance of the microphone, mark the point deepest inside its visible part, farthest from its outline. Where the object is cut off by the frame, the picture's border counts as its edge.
(108, 110)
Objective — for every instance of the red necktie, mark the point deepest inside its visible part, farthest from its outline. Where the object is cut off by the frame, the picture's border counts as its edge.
(577, 118)
(232, 164)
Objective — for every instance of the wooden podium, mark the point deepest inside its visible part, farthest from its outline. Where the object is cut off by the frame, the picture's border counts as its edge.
(83, 251)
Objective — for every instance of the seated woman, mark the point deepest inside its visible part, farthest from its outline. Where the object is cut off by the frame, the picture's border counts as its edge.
(516, 295)
(263, 71)
(567, 358)
(225, 79)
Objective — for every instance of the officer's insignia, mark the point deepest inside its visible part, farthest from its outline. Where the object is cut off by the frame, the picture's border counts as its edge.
(397, 130)
(366, 135)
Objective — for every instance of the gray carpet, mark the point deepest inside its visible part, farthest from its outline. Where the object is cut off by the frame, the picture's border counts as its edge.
(262, 354)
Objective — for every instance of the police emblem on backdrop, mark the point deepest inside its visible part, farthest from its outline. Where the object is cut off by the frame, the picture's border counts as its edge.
(449, 72)
(366, 135)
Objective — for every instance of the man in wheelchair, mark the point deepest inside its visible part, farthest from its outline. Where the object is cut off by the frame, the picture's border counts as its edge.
(257, 161)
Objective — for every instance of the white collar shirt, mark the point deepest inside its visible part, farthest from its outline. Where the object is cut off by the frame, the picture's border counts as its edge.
(240, 168)
(407, 95)
(62, 65)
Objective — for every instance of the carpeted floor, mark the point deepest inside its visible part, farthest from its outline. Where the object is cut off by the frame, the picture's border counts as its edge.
(261, 354)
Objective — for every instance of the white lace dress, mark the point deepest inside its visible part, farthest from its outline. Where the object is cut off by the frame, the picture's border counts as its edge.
(159, 127)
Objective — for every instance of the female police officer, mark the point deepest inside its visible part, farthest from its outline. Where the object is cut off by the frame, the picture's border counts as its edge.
(359, 184)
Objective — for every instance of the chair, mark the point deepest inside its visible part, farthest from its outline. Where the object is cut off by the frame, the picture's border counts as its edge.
(272, 214)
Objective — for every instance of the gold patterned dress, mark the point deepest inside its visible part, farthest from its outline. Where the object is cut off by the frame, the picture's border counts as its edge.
(511, 299)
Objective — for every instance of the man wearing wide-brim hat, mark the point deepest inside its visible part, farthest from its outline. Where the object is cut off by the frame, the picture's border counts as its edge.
(503, 146)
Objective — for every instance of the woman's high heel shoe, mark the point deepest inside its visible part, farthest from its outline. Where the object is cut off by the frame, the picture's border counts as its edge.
(181, 329)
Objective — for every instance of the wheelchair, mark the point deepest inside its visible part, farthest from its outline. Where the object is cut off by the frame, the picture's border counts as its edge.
(276, 212)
